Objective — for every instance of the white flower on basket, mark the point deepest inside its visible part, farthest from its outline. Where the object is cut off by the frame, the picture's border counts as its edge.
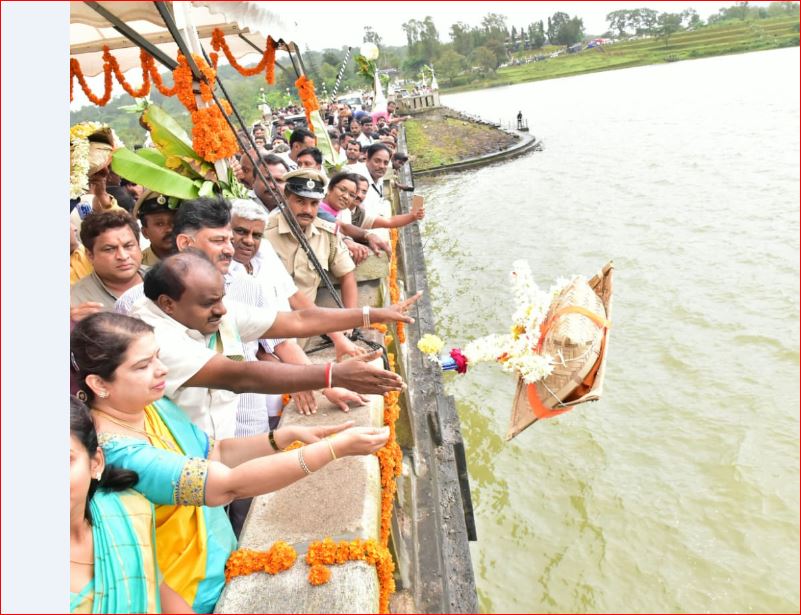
(79, 154)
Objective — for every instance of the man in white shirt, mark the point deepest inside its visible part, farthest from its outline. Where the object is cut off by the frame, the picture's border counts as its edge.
(256, 258)
(365, 137)
(300, 139)
(377, 163)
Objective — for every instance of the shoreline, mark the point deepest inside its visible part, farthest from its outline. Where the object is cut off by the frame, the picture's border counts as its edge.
(699, 44)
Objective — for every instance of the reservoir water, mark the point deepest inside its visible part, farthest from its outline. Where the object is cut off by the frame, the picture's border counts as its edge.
(679, 490)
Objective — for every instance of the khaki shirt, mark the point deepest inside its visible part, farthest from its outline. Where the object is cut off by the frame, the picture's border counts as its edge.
(91, 288)
(321, 236)
(149, 257)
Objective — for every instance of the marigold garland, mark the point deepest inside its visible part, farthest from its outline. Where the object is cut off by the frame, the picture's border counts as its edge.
(115, 67)
(76, 72)
(394, 290)
(266, 63)
(307, 97)
(212, 137)
(326, 552)
(111, 68)
(278, 558)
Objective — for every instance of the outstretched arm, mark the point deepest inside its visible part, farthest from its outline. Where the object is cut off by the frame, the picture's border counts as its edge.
(314, 321)
(273, 472)
(355, 374)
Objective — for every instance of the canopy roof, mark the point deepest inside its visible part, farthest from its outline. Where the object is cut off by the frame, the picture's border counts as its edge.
(246, 25)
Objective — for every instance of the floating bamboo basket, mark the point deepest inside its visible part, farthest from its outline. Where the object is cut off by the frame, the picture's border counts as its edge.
(576, 334)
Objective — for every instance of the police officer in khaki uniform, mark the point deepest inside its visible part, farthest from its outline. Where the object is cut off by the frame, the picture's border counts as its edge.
(304, 189)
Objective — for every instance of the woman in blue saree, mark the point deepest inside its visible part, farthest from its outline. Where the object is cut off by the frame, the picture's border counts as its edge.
(189, 476)
(113, 565)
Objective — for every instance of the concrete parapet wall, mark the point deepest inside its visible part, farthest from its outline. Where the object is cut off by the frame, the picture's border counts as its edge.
(353, 588)
(341, 501)
(421, 102)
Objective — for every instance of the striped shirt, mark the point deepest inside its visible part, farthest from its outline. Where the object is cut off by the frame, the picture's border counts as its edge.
(255, 410)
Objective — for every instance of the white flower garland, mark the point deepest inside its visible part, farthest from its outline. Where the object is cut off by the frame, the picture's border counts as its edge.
(516, 351)
(79, 155)
(79, 168)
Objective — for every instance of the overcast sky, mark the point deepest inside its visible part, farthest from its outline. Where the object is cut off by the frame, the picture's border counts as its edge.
(334, 24)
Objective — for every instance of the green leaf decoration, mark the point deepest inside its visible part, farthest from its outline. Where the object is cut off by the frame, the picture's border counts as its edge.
(207, 189)
(332, 169)
(152, 155)
(139, 170)
(140, 104)
(323, 139)
(192, 168)
(167, 134)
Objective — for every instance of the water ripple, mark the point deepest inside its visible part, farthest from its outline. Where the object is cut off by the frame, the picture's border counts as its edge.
(679, 490)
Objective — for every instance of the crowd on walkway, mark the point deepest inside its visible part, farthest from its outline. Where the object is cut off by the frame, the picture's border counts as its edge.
(189, 331)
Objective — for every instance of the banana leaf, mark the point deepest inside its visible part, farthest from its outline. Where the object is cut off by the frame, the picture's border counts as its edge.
(152, 155)
(167, 134)
(323, 139)
(194, 169)
(139, 170)
(206, 189)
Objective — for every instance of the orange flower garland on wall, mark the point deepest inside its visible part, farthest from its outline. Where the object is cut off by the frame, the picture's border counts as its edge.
(394, 290)
(319, 575)
(327, 553)
(278, 558)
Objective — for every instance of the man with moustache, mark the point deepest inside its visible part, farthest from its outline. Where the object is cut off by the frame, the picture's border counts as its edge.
(111, 239)
(155, 217)
(205, 224)
(268, 163)
(303, 192)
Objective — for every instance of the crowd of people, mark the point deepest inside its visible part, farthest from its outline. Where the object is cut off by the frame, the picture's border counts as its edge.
(189, 324)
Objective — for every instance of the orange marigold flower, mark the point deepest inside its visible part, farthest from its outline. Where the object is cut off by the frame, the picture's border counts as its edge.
(319, 575)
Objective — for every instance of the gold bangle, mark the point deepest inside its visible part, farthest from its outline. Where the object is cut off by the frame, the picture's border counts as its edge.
(271, 436)
(331, 448)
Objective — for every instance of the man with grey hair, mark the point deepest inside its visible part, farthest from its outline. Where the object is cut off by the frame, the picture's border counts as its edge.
(252, 257)
(257, 258)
